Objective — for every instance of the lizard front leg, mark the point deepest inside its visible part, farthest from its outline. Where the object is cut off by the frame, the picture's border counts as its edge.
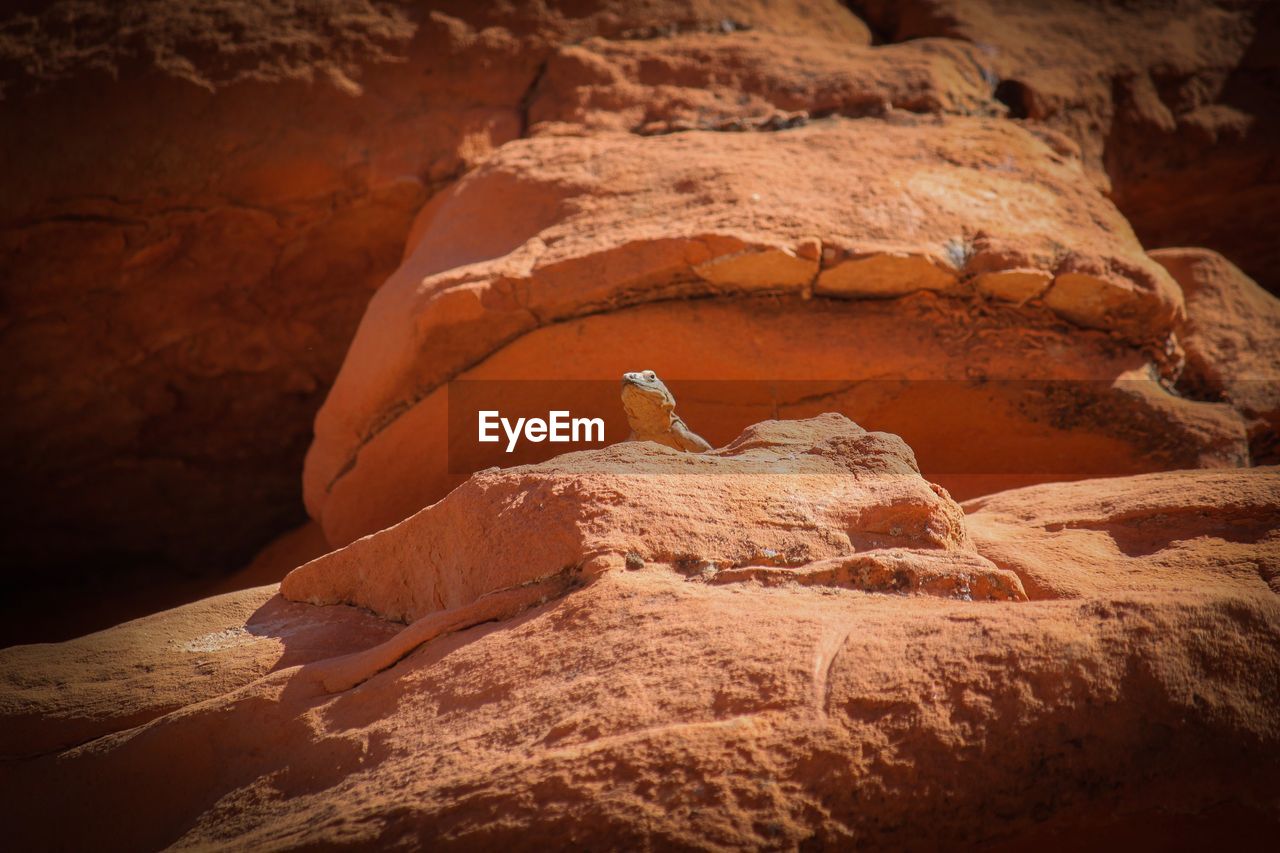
(688, 440)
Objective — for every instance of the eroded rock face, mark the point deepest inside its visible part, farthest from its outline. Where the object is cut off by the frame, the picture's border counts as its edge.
(754, 81)
(1232, 341)
(56, 696)
(786, 500)
(1202, 530)
(958, 396)
(796, 641)
(1136, 696)
(201, 201)
(1173, 105)
(198, 204)
(195, 217)
(950, 250)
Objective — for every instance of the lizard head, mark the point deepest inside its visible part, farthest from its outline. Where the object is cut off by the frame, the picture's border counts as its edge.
(643, 393)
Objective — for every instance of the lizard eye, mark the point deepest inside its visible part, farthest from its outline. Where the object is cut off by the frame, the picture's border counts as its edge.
(649, 374)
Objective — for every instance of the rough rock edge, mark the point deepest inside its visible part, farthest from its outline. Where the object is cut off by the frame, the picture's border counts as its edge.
(893, 532)
(806, 268)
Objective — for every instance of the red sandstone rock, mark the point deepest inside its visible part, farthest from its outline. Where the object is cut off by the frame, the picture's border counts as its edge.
(270, 565)
(1232, 341)
(1084, 416)
(775, 233)
(54, 697)
(1175, 102)
(199, 201)
(801, 496)
(752, 80)
(1136, 697)
(793, 641)
(1159, 534)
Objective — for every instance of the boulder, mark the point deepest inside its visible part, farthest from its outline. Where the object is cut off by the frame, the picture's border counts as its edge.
(1211, 531)
(819, 501)
(1231, 337)
(199, 202)
(56, 696)
(750, 81)
(843, 250)
(1175, 111)
(1135, 697)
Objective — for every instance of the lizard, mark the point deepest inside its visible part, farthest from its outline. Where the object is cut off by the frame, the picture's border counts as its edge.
(650, 409)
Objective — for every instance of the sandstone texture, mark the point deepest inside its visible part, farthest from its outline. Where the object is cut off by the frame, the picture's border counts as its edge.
(198, 203)
(1181, 530)
(56, 696)
(201, 201)
(754, 81)
(802, 497)
(1232, 340)
(1174, 105)
(1135, 694)
(942, 253)
(972, 299)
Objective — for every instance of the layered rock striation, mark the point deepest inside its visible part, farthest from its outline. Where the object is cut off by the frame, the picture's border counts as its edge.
(968, 227)
(201, 202)
(1134, 691)
(962, 257)
(813, 501)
